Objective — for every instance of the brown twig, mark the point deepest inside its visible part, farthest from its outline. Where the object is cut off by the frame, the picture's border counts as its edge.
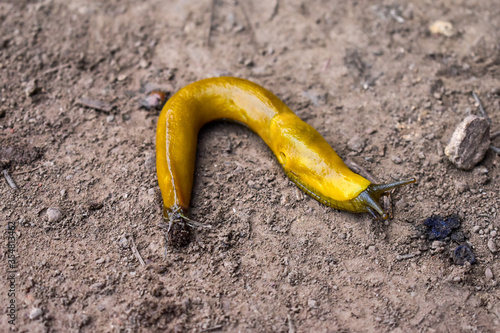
(359, 169)
(210, 23)
(327, 64)
(94, 104)
(252, 31)
(136, 252)
(9, 179)
(481, 108)
(27, 171)
(213, 328)
(275, 10)
(291, 326)
(485, 116)
(55, 69)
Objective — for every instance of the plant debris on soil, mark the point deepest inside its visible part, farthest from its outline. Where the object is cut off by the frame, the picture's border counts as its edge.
(440, 228)
(385, 90)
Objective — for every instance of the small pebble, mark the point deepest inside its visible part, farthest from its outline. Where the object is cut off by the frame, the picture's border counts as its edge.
(481, 170)
(97, 286)
(488, 274)
(31, 88)
(463, 254)
(370, 130)
(436, 244)
(476, 229)
(84, 320)
(493, 233)
(123, 242)
(150, 161)
(249, 63)
(356, 143)
(461, 187)
(35, 313)
(155, 100)
(396, 159)
(312, 303)
(458, 237)
(54, 214)
(110, 118)
(100, 261)
(492, 245)
(439, 192)
(143, 63)
(439, 27)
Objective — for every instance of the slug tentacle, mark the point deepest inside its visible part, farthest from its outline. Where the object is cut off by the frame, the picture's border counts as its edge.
(369, 198)
(381, 188)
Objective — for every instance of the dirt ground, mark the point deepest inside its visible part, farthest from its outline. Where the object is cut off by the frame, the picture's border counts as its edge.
(275, 260)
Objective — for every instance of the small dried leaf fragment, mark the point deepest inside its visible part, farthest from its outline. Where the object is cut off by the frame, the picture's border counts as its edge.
(154, 100)
(469, 142)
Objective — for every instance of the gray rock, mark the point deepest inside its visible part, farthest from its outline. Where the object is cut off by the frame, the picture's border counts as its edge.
(488, 274)
(97, 286)
(356, 143)
(54, 214)
(396, 159)
(123, 242)
(492, 246)
(35, 313)
(469, 142)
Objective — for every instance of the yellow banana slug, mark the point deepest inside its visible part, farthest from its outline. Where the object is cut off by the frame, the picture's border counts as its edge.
(307, 159)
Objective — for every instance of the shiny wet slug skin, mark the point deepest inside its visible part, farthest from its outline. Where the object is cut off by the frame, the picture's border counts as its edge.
(307, 159)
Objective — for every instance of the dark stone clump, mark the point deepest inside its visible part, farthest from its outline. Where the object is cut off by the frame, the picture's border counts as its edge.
(439, 228)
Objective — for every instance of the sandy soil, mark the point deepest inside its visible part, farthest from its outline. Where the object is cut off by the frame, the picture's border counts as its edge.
(275, 259)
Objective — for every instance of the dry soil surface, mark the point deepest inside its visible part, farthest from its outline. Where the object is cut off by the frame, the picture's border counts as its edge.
(368, 75)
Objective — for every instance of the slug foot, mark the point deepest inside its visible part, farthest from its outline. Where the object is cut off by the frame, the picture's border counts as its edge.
(178, 234)
(178, 230)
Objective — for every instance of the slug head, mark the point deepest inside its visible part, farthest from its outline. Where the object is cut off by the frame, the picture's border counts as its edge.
(368, 200)
(311, 163)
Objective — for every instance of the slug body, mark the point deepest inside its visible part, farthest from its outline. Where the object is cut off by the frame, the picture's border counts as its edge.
(307, 159)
